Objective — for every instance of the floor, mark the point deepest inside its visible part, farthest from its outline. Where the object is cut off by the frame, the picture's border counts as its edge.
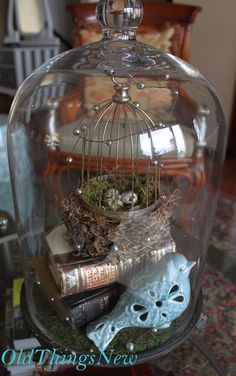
(222, 250)
(219, 296)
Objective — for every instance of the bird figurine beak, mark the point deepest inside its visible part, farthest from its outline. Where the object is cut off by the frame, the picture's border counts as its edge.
(189, 266)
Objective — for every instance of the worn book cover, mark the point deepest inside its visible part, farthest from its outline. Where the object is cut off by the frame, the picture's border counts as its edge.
(77, 309)
(74, 275)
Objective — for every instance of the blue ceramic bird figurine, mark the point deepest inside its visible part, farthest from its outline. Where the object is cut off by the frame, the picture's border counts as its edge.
(152, 300)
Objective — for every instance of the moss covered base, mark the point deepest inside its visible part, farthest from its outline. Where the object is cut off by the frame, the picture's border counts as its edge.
(75, 340)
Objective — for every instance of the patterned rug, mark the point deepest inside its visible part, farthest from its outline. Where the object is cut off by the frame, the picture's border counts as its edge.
(224, 230)
(219, 334)
(219, 304)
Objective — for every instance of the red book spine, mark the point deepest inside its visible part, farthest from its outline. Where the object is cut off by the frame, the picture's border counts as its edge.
(83, 278)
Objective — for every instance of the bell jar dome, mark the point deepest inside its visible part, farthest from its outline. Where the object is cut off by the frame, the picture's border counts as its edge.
(115, 151)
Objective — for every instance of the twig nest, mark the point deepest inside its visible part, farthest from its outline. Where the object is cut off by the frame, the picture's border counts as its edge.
(129, 198)
(112, 199)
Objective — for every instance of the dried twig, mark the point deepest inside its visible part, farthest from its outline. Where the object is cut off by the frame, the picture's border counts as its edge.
(135, 237)
(140, 236)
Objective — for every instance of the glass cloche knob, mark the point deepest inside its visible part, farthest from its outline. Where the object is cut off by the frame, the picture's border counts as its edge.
(119, 16)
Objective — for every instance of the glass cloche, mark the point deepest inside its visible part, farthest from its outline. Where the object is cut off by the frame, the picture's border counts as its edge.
(116, 151)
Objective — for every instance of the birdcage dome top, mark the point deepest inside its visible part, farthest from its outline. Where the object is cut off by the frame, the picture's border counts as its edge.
(119, 58)
(111, 56)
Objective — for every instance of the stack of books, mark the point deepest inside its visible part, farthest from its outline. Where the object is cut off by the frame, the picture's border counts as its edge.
(80, 290)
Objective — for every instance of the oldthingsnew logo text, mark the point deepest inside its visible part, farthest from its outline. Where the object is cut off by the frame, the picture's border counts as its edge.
(80, 361)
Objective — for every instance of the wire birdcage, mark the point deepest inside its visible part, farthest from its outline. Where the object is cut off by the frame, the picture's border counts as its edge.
(118, 155)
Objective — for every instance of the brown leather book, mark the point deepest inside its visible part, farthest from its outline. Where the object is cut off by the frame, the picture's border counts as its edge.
(77, 309)
(75, 275)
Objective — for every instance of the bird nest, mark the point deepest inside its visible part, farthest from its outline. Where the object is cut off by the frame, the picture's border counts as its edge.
(120, 193)
(131, 237)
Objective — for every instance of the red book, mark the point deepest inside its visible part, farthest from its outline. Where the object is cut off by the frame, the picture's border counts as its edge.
(75, 275)
(79, 308)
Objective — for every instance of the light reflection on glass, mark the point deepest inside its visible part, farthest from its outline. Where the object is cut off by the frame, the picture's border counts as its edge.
(164, 141)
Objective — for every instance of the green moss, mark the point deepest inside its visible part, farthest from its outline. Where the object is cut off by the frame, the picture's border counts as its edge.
(76, 340)
(145, 189)
(93, 191)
